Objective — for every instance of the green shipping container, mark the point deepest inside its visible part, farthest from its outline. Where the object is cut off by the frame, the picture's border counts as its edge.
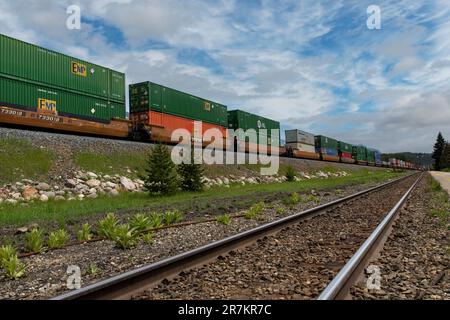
(326, 142)
(19, 94)
(238, 119)
(345, 147)
(148, 96)
(20, 60)
(370, 156)
(360, 153)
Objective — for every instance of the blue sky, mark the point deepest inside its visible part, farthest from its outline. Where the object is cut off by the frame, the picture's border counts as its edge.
(312, 65)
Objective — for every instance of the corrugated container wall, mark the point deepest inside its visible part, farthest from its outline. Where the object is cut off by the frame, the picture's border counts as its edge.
(238, 119)
(326, 145)
(299, 136)
(360, 153)
(29, 62)
(345, 147)
(149, 96)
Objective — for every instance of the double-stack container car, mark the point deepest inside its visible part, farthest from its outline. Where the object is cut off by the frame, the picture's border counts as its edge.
(157, 111)
(327, 148)
(267, 130)
(360, 154)
(345, 152)
(301, 144)
(43, 88)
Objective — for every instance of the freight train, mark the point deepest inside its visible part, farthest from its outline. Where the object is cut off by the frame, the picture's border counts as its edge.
(42, 88)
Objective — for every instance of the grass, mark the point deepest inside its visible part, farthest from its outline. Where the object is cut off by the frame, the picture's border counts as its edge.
(19, 159)
(224, 219)
(440, 202)
(63, 211)
(107, 164)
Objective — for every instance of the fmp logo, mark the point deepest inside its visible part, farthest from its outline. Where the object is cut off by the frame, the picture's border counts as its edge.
(79, 69)
(47, 106)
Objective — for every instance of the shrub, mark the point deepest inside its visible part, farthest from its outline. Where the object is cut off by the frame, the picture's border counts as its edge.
(290, 174)
(255, 211)
(6, 252)
(191, 175)
(84, 234)
(292, 200)
(107, 227)
(172, 217)
(156, 220)
(140, 222)
(224, 219)
(14, 269)
(125, 237)
(58, 239)
(161, 177)
(34, 241)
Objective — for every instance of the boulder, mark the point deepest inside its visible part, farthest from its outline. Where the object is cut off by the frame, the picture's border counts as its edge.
(110, 185)
(10, 201)
(43, 186)
(93, 183)
(43, 198)
(71, 183)
(50, 194)
(92, 175)
(113, 193)
(59, 198)
(30, 193)
(127, 184)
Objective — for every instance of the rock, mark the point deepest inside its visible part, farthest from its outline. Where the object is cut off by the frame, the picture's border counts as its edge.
(43, 198)
(43, 186)
(80, 196)
(93, 190)
(17, 196)
(139, 181)
(30, 193)
(50, 194)
(219, 181)
(113, 193)
(110, 185)
(226, 181)
(82, 187)
(92, 175)
(106, 177)
(71, 183)
(93, 183)
(21, 230)
(92, 196)
(127, 184)
(59, 198)
(11, 201)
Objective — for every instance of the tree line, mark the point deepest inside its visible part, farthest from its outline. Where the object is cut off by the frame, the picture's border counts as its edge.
(441, 154)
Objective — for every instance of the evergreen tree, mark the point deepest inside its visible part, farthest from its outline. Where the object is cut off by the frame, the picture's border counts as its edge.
(438, 149)
(161, 177)
(191, 175)
(445, 157)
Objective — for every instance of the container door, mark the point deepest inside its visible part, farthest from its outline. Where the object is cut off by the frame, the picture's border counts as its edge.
(156, 102)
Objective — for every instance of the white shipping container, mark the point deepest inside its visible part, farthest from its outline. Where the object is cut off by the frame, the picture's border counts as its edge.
(299, 136)
(302, 147)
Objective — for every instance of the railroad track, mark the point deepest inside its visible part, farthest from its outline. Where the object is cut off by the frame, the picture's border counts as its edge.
(132, 283)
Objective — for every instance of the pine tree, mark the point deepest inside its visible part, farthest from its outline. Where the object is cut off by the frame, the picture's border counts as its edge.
(438, 149)
(161, 177)
(191, 175)
(445, 157)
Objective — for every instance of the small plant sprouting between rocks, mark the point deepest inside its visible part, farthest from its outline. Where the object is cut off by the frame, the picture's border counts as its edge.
(13, 268)
(107, 227)
(292, 200)
(172, 217)
(281, 211)
(125, 237)
(34, 241)
(290, 174)
(224, 219)
(6, 252)
(255, 211)
(148, 238)
(311, 198)
(140, 222)
(93, 269)
(58, 239)
(84, 234)
(156, 220)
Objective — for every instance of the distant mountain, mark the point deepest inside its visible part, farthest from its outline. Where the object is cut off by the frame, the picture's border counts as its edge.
(418, 158)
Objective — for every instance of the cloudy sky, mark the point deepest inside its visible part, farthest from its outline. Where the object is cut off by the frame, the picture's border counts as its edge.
(312, 65)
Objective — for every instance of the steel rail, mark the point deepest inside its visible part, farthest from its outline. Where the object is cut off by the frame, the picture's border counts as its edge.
(339, 287)
(125, 285)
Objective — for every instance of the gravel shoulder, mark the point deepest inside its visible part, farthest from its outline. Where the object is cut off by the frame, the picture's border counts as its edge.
(415, 260)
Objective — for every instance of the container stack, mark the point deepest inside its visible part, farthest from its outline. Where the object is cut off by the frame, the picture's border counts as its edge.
(327, 148)
(36, 79)
(346, 152)
(300, 140)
